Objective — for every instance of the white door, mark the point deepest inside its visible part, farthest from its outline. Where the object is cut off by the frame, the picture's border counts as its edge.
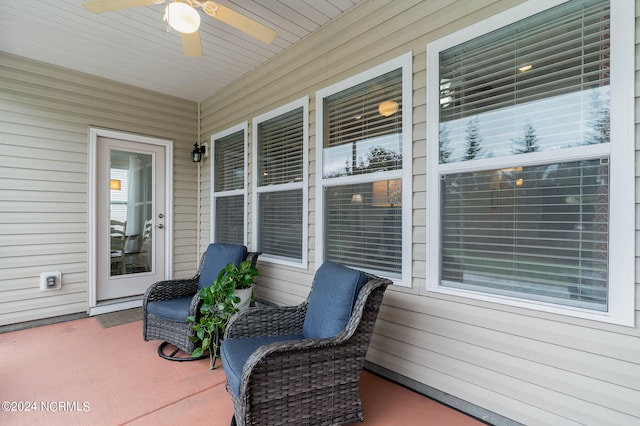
(131, 221)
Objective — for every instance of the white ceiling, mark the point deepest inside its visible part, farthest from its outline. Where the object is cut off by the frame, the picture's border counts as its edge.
(133, 46)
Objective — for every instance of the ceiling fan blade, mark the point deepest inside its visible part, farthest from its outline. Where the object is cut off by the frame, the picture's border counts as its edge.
(101, 6)
(243, 23)
(191, 44)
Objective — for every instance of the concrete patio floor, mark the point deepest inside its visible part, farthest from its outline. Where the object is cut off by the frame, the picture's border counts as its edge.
(78, 373)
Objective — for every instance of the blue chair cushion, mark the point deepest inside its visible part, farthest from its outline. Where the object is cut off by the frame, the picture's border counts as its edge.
(235, 352)
(174, 309)
(335, 290)
(216, 258)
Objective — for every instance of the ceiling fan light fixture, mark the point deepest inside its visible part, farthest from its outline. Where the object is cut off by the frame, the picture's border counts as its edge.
(182, 17)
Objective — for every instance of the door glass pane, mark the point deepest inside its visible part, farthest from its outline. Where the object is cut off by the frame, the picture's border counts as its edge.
(131, 212)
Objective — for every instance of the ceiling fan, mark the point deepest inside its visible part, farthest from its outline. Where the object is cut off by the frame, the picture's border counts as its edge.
(182, 16)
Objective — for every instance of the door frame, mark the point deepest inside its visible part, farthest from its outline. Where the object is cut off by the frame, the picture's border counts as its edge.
(94, 307)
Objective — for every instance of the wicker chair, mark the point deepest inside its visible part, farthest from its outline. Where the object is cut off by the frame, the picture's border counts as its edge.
(302, 364)
(167, 304)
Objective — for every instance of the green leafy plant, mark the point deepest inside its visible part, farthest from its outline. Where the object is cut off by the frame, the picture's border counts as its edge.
(218, 305)
(241, 276)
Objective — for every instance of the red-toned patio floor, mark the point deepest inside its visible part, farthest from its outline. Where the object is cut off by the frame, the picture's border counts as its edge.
(78, 373)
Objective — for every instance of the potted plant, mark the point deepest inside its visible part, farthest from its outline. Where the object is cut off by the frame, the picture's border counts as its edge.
(219, 303)
(242, 278)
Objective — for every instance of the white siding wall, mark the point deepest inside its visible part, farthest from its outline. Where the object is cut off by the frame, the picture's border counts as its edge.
(45, 114)
(532, 367)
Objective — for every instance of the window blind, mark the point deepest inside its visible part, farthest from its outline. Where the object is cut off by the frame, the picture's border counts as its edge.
(548, 73)
(280, 224)
(280, 149)
(364, 225)
(230, 219)
(229, 162)
(538, 230)
(363, 135)
(363, 127)
(280, 156)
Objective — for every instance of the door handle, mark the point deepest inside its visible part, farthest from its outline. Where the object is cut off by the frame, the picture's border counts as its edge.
(160, 226)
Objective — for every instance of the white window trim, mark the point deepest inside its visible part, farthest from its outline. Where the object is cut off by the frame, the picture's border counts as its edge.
(243, 127)
(622, 171)
(405, 62)
(304, 103)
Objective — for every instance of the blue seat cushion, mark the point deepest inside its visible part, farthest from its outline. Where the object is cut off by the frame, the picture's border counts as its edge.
(174, 309)
(235, 352)
(216, 259)
(335, 290)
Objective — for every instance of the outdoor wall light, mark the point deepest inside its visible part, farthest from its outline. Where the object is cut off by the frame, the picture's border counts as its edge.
(198, 152)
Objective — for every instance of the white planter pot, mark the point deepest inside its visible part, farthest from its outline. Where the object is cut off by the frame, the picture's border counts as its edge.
(245, 298)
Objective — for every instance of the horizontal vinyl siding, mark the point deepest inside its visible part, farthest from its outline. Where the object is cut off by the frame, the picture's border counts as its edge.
(532, 367)
(45, 114)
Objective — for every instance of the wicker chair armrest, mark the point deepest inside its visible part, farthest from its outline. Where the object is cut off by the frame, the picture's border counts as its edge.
(266, 321)
(194, 307)
(375, 284)
(288, 356)
(171, 289)
(287, 347)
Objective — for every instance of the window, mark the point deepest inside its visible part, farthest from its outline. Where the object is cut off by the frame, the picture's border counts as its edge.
(531, 159)
(119, 193)
(228, 175)
(364, 171)
(280, 180)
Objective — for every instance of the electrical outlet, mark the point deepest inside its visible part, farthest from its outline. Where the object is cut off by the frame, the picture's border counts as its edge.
(50, 280)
